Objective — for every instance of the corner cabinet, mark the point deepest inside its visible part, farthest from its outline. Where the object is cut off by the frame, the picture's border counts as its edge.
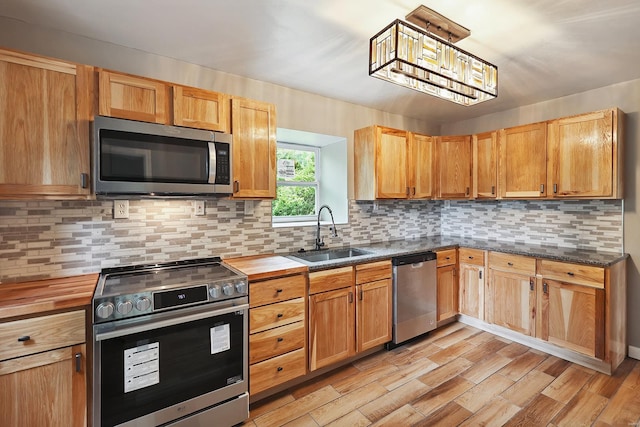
(253, 125)
(523, 162)
(585, 159)
(447, 283)
(45, 112)
(453, 158)
(43, 371)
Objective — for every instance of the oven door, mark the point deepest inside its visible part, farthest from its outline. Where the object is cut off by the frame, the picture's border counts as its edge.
(159, 368)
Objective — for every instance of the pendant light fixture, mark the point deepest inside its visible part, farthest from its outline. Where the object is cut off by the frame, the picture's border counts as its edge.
(423, 57)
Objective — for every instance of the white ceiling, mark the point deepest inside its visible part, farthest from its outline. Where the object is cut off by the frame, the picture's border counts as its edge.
(544, 49)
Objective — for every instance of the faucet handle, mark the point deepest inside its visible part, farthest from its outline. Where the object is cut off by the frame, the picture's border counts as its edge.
(334, 231)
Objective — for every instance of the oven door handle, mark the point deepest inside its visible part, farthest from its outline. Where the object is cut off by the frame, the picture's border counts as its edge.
(156, 324)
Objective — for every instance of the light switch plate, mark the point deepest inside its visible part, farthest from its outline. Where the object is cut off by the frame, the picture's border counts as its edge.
(120, 209)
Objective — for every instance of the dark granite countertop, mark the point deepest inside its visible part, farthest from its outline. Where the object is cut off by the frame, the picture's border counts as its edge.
(386, 250)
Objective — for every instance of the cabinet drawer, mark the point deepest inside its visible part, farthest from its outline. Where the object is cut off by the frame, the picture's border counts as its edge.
(44, 333)
(274, 315)
(328, 280)
(573, 273)
(276, 290)
(446, 257)
(373, 271)
(277, 341)
(276, 371)
(513, 263)
(471, 256)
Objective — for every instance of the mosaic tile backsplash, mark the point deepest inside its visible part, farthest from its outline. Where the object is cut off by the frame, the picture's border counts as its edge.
(59, 238)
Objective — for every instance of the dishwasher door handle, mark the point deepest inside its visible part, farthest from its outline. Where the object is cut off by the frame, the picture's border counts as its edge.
(417, 264)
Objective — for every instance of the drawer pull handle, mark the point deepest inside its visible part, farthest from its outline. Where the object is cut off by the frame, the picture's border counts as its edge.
(470, 257)
(24, 338)
(280, 368)
(510, 264)
(280, 315)
(571, 273)
(280, 339)
(448, 257)
(278, 290)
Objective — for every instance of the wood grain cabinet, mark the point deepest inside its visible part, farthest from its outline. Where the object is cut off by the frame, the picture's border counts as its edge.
(511, 292)
(471, 282)
(523, 162)
(277, 338)
(43, 371)
(200, 109)
(132, 97)
(585, 159)
(454, 168)
(447, 283)
(253, 125)
(45, 111)
(349, 311)
(392, 164)
(485, 165)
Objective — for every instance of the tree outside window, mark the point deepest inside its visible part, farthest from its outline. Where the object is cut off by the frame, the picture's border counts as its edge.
(297, 182)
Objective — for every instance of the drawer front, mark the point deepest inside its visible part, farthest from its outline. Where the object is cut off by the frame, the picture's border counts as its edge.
(274, 342)
(44, 333)
(471, 256)
(573, 273)
(373, 271)
(446, 257)
(276, 371)
(512, 263)
(274, 315)
(328, 280)
(276, 290)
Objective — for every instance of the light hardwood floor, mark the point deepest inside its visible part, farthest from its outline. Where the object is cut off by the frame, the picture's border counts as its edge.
(458, 375)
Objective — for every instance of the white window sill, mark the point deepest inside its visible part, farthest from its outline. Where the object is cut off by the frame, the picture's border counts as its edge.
(303, 224)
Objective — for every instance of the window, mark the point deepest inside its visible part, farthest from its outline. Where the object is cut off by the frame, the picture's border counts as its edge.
(298, 189)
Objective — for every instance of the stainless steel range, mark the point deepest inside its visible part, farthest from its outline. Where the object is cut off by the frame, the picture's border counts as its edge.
(170, 345)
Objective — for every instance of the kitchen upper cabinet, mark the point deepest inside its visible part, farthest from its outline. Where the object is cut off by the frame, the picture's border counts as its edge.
(392, 164)
(471, 286)
(511, 293)
(523, 162)
(447, 284)
(453, 158)
(485, 165)
(132, 97)
(45, 112)
(253, 125)
(585, 159)
(201, 109)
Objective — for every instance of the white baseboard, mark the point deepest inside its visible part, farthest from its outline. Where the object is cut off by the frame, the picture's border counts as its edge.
(634, 352)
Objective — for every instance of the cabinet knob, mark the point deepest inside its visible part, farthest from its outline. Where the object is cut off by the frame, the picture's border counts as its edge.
(570, 273)
(278, 291)
(545, 288)
(541, 188)
(510, 264)
(24, 338)
(280, 315)
(78, 357)
(236, 186)
(493, 189)
(84, 180)
(555, 188)
(470, 257)
(467, 192)
(280, 339)
(280, 368)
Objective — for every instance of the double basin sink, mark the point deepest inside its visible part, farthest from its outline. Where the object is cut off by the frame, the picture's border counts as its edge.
(329, 254)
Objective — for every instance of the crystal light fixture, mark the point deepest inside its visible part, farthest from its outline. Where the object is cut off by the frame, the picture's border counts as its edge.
(423, 60)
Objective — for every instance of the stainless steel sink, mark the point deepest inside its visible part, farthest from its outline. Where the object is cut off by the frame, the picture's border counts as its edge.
(329, 254)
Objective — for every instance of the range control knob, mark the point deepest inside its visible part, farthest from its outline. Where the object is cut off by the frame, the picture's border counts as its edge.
(241, 287)
(104, 310)
(143, 304)
(228, 289)
(215, 291)
(124, 307)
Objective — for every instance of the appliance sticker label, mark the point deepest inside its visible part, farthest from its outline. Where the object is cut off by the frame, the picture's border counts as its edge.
(220, 339)
(286, 168)
(141, 366)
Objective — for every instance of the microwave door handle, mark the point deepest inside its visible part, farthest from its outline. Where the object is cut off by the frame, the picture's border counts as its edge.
(212, 163)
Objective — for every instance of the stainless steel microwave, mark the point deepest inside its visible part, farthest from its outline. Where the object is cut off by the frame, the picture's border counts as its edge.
(149, 159)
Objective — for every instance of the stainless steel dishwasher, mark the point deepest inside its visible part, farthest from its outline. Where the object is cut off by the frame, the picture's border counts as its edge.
(414, 296)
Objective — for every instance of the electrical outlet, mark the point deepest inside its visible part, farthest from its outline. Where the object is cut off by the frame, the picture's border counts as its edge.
(198, 207)
(120, 209)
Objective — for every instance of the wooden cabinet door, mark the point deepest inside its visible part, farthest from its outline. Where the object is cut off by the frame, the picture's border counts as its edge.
(253, 124)
(447, 292)
(45, 111)
(392, 164)
(201, 109)
(485, 165)
(132, 97)
(331, 327)
(373, 314)
(523, 161)
(513, 298)
(453, 154)
(44, 389)
(573, 317)
(582, 155)
(421, 159)
(472, 290)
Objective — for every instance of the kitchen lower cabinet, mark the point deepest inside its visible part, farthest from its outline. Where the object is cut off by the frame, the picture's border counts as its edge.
(374, 304)
(447, 292)
(43, 371)
(471, 284)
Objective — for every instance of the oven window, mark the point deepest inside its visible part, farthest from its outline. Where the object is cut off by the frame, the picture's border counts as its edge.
(193, 359)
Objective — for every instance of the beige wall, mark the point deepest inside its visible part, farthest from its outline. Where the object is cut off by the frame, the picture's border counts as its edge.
(625, 96)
